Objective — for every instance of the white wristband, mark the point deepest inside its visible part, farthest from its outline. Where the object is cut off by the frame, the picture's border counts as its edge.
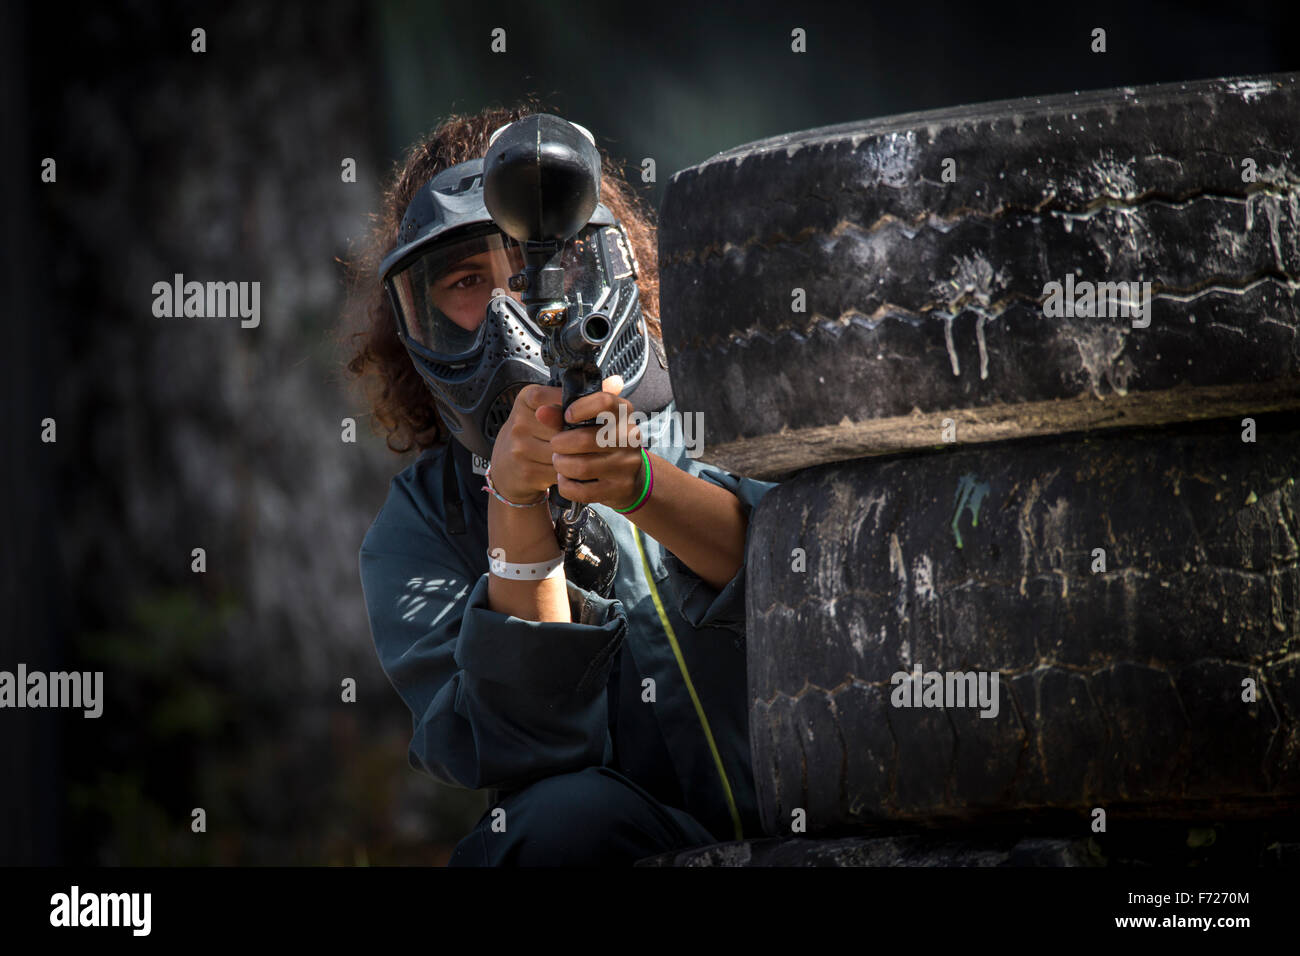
(525, 572)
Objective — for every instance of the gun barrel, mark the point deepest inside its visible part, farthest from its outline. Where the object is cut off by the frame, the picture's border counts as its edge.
(587, 334)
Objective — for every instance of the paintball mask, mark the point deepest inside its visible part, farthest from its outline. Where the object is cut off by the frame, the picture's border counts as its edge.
(450, 279)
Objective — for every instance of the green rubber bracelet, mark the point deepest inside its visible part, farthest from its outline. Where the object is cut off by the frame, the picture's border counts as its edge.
(645, 487)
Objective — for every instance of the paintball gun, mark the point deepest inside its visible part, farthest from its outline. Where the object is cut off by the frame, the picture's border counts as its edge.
(541, 185)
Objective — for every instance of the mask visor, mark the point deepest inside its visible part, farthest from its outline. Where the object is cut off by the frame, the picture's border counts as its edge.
(441, 296)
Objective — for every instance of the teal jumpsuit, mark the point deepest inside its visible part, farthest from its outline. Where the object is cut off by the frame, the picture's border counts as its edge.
(605, 740)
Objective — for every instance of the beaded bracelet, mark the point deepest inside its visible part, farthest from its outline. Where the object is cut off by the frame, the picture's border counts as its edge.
(646, 487)
(487, 476)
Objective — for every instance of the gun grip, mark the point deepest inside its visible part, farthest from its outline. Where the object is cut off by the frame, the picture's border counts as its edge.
(578, 381)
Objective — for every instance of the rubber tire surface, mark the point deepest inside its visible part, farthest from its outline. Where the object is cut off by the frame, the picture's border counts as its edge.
(924, 298)
(1144, 844)
(1119, 689)
(926, 850)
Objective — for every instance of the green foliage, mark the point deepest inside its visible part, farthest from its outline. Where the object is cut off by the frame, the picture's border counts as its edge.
(167, 702)
(287, 774)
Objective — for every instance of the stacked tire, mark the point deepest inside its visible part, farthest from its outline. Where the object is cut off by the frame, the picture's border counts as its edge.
(1028, 373)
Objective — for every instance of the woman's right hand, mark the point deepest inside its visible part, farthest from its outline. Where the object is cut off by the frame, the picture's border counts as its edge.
(521, 454)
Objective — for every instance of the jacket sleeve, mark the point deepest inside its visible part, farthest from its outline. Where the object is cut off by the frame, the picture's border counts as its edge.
(497, 701)
(699, 602)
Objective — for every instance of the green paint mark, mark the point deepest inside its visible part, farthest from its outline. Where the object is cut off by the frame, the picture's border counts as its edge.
(970, 492)
(1251, 499)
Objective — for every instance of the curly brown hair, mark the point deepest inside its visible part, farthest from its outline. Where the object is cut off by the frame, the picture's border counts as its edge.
(399, 401)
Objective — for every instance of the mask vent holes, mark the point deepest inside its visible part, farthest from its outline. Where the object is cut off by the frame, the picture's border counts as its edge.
(626, 355)
(500, 411)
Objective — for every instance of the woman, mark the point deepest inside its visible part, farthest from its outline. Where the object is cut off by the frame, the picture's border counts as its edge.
(609, 727)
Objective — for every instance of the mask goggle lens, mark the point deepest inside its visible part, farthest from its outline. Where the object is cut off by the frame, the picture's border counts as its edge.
(441, 297)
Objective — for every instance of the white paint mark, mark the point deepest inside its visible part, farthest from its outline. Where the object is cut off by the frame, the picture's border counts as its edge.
(922, 573)
(1250, 90)
(979, 337)
(899, 567)
(952, 350)
(890, 160)
(1114, 176)
(1100, 351)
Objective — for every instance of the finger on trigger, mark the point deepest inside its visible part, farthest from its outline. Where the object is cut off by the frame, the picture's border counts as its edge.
(550, 416)
(591, 406)
(535, 396)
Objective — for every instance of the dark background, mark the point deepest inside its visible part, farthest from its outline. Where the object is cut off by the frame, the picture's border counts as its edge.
(223, 689)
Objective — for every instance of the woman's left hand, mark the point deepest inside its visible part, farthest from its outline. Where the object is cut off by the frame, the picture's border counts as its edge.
(607, 453)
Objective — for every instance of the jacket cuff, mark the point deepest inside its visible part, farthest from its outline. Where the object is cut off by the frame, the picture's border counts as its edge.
(700, 603)
(551, 658)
